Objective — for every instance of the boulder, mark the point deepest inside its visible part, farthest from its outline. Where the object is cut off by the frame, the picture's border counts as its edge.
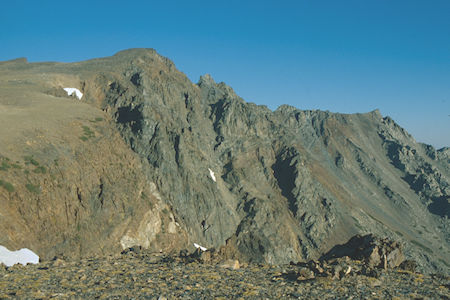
(374, 251)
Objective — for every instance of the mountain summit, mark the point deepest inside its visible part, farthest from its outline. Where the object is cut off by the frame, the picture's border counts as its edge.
(147, 158)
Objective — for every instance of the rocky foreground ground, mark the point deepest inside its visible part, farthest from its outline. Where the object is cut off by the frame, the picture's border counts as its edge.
(144, 275)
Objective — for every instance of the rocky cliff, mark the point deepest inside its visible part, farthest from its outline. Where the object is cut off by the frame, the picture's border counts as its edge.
(170, 163)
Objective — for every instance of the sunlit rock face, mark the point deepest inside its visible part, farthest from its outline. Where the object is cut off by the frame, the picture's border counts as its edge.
(273, 186)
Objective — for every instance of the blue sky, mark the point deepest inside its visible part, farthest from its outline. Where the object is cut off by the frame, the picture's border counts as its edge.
(343, 56)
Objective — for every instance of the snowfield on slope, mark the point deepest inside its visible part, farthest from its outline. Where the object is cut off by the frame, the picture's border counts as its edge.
(201, 247)
(77, 92)
(22, 256)
(211, 173)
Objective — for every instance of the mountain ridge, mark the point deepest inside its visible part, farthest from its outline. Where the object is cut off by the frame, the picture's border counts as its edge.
(291, 184)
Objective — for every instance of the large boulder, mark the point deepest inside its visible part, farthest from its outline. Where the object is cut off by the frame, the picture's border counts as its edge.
(374, 251)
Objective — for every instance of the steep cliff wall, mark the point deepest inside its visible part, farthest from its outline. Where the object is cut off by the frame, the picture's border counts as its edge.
(273, 186)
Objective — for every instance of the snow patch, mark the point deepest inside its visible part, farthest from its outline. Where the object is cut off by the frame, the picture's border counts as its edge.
(211, 173)
(22, 256)
(77, 92)
(201, 247)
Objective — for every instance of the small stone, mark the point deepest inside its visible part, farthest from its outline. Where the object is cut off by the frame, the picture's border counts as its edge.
(371, 272)
(375, 282)
(153, 259)
(305, 274)
(184, 253)
(395, 258)
(315, 267)
(374, 257)
(59, 262)
(38, 295)
(336, 272)
(408, 265)
(230, 264)
(205, 256)
(349, 269)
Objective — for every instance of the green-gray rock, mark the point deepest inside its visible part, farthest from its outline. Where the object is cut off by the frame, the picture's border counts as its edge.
(270, 186)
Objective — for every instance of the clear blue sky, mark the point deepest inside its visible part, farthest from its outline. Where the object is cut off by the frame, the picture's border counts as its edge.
(343, 56)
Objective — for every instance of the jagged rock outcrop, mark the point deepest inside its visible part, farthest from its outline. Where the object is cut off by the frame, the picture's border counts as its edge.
(375, 252)
(271, 186)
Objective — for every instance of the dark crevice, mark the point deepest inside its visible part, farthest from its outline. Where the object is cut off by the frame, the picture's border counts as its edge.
(100, 194)
(218, 110)
(177, 149)
(186, 100)
(440, 206)
(131, 117)
(80, 197)
(136, 79)
(249, 208)
(285, 173)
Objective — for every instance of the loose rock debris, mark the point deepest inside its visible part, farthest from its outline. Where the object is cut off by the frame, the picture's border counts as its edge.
(139, 274)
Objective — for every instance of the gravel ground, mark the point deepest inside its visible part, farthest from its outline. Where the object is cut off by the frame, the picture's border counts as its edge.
(150, 276)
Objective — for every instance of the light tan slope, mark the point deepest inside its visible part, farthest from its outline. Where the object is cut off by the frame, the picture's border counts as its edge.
(69, 185)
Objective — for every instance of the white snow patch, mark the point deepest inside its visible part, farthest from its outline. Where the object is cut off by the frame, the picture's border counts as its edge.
(77, 92)
(201, 247)
(211, 173)
(22, 256)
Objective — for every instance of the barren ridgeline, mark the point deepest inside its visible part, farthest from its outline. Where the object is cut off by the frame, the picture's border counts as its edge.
(140, 156)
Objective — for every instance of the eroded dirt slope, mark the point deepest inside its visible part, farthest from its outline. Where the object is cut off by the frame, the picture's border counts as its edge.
(70, 185)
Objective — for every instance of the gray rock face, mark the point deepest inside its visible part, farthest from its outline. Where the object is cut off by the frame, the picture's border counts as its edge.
(290, 184)
(271, 186)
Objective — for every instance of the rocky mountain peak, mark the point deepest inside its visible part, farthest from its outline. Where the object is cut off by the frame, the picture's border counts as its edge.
(206, 80)
(197, 164)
